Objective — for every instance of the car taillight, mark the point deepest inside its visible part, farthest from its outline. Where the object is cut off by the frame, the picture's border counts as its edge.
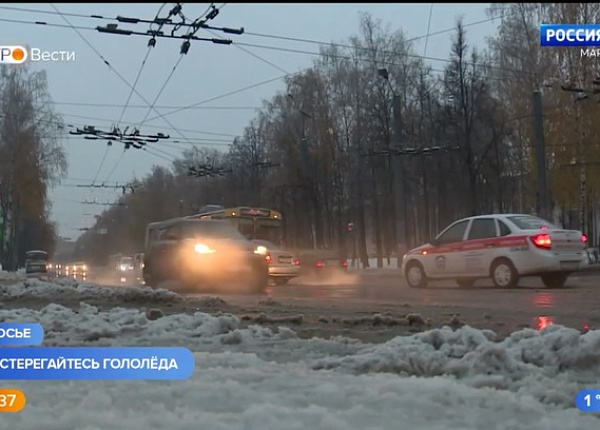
(542, 241)
(319, 264)
(268, 258)
(583, 238)
(296, 262)
(344, 263)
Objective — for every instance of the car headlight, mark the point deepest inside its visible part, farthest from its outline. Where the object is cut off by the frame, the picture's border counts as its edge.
(84, 267)
(260, 250)
(200, 248)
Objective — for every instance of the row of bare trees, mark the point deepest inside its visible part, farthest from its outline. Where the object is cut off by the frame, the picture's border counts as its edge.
(320, 150)
(31, 161)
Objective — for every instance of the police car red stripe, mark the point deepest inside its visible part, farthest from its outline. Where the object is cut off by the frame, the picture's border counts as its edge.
(476, 244)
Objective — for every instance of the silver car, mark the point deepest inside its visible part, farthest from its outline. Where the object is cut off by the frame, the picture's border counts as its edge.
(283, 264)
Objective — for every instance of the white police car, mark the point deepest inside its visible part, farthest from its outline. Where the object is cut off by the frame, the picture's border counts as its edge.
(502, 247)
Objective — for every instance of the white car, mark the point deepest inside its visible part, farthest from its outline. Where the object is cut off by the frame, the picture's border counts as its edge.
(502, 247)
(283, 264)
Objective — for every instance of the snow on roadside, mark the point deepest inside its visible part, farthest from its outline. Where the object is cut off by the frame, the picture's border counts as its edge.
(256, 377)
(232, 391)
(10, 276)
(68, 288)
(552, 365)
(199, 332)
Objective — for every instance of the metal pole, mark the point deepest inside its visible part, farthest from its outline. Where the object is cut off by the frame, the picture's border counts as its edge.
(538, 123)
(398, 171)
(582, 173)
(582, 202)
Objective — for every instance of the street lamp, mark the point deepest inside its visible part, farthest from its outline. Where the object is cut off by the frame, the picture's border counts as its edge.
(397, 167)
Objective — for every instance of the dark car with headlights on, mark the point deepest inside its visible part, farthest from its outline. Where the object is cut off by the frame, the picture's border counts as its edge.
(202, 254)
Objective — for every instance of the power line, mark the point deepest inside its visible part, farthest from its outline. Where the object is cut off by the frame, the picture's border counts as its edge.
(117, 73)
(258, 57)
(278, 37)
(162, 116)
(322, 43)
(161, 90)
(125, 108)
(150, 46)
(101, 164)
(412, 39)
(149, 126)
(231, 93)
(193, 141)
(115, 166)
(116, 105)
(298, 51)
(105, 62)
(134, 84)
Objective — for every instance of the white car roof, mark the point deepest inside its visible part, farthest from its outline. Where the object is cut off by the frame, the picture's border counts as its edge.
(498, 216)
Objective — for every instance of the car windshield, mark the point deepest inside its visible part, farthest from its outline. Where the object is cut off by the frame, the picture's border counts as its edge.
(530, 222)
(212, 230)
(127, 260)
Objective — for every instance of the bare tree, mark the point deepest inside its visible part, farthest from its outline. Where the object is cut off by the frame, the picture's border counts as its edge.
(31, 161)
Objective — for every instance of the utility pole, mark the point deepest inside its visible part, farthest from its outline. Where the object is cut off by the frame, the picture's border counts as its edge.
(540, 149)
(582, 172)
(397, 169)
(398, 172)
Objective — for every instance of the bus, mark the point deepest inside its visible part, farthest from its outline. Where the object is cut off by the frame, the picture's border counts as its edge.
(252, 222)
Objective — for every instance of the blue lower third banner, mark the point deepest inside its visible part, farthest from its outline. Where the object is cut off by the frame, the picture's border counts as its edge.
(96, 363)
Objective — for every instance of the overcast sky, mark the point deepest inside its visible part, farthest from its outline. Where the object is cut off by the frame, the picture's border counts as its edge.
(88, 92)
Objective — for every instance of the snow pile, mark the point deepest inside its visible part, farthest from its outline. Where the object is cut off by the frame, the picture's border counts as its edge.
(68, 288)
(550, 365)
(133, 327)
(10, 276)
(258, 378)
(231, 391)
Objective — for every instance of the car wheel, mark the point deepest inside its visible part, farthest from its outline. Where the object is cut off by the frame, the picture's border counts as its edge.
(554, 280)
(281, 281)
(415, 275)
(504, 274)
(465, 282)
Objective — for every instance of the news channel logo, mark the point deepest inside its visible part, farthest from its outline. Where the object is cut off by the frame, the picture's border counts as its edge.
(570, 35)
(20, 54)
(13, 54)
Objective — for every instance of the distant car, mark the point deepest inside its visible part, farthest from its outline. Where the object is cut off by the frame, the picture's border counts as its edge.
(77, 270)
(54, 269)
(283, 264)
(36, 262)
(322, 262)
(502, 247)
(126, 270)
(209, 252)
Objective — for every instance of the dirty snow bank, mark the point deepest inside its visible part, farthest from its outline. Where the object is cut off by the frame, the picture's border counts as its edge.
(257, 378)
(68, 288)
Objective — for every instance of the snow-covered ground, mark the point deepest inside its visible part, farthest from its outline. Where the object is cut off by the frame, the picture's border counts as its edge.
(258, 378)
(69, 288)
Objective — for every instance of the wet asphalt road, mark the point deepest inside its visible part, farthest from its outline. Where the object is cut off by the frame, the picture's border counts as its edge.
(576, 305)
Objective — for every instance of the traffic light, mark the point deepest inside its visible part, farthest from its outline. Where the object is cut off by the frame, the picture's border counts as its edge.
(349, 227)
